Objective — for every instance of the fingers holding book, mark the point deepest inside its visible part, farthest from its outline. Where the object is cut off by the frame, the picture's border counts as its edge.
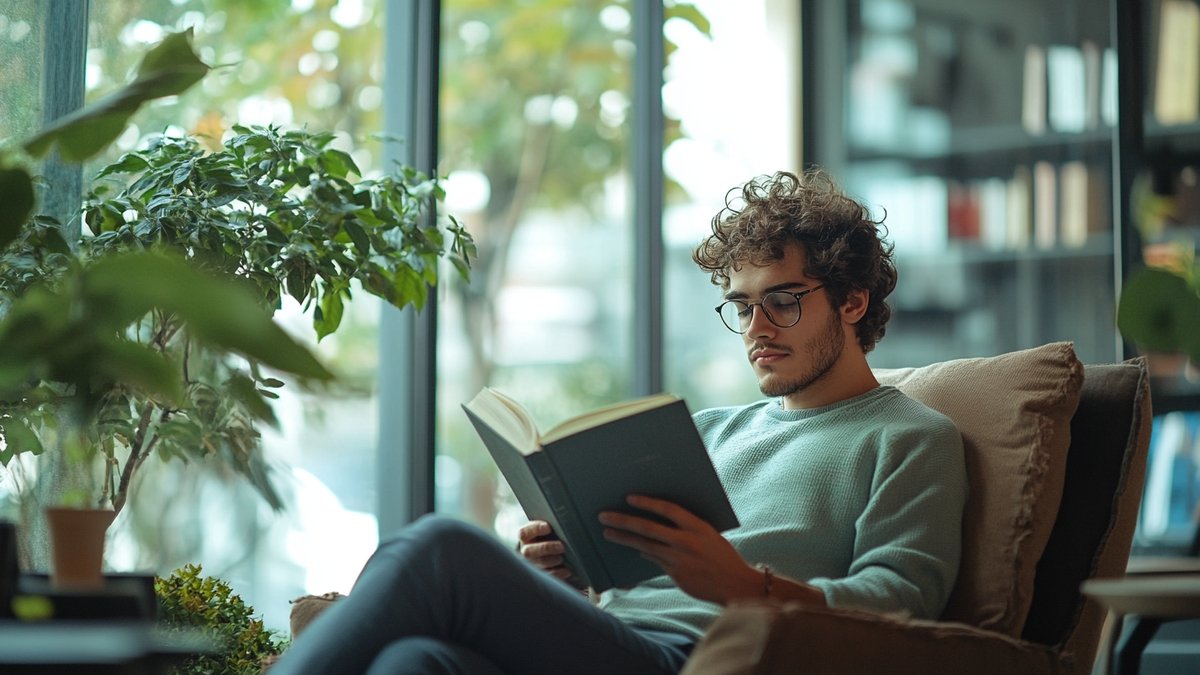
(538, 544)
(700, 561)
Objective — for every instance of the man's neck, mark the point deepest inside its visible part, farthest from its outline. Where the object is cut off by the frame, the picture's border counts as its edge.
(851, 376)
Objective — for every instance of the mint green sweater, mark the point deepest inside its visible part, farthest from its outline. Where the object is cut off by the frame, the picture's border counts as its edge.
(862, 499)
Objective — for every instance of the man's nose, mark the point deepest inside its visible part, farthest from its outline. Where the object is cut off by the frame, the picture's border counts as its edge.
(759, 323)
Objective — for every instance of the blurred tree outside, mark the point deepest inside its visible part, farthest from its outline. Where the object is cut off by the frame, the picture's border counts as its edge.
(536, 107)
(21, 53)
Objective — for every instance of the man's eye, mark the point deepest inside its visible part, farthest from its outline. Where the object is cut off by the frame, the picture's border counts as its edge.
(779, 302)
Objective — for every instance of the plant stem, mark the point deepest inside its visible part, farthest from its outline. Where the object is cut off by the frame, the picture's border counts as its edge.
(135, 451)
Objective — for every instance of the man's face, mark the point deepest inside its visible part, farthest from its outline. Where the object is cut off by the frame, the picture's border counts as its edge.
(788, 361)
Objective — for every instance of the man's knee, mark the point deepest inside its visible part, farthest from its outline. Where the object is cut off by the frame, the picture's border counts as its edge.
(424, 655)
(441, 533)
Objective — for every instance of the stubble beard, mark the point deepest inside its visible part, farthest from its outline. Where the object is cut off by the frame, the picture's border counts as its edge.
(825, 349)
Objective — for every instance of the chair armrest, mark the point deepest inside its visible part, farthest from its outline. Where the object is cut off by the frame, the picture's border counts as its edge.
(764, 639)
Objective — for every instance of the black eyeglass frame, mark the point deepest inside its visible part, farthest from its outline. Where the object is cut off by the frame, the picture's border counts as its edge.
(798, 295)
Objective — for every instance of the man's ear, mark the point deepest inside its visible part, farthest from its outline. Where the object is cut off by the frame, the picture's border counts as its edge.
(855, 305)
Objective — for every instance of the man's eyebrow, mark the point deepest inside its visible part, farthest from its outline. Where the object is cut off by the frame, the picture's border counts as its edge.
(740, 295)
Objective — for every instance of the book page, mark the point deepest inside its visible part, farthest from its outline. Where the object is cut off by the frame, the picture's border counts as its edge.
(507, 418)
(606, 414)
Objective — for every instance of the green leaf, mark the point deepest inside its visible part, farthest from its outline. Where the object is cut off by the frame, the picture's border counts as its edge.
(330, 316)
(1160, 312)
(18, 438)
(409, 287)
(218, 311)
(128, 163)
(340, 164)
(358, 236)
(689, 13)
(140, 367)
(243, 390)
(168, 69)
(16, 202)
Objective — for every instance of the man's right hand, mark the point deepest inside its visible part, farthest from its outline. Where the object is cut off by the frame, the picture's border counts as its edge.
(540, 546)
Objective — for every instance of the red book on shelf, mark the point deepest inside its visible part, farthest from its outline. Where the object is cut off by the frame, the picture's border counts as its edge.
(962, 212)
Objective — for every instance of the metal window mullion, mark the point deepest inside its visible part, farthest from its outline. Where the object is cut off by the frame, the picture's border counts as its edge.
(647, 174)
(1125, 25)
(64, 60)
(408, 339)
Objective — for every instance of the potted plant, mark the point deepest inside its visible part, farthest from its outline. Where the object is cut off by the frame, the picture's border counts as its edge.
(195, 250)
(1159, 308)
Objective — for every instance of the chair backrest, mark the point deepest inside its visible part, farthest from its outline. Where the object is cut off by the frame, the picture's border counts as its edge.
(1092, 536)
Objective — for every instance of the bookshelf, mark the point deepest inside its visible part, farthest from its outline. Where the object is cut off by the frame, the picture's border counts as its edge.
(1165, 209)
(986, 131)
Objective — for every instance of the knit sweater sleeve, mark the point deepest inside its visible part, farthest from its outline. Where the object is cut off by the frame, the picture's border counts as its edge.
(907, 543)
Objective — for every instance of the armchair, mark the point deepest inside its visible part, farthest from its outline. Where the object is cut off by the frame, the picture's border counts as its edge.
(1056, 460)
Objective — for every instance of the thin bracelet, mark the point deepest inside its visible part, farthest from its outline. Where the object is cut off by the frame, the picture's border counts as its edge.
(768, 579)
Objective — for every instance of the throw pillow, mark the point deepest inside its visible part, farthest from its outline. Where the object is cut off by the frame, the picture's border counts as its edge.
(1014, 412)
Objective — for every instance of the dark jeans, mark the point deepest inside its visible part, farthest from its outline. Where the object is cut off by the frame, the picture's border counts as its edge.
(445, 597)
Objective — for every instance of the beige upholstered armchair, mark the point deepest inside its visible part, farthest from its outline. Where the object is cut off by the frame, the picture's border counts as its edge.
(1056, 459)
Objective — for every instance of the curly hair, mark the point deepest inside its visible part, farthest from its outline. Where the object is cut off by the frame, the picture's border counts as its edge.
(844, 246)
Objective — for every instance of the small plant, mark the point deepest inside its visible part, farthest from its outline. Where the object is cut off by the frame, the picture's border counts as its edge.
(190, 601)
(1159, 309)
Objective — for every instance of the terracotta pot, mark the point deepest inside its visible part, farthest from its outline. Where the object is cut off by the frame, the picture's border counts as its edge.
(77, 546)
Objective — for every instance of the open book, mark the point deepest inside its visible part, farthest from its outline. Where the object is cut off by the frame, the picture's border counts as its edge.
(589, 463)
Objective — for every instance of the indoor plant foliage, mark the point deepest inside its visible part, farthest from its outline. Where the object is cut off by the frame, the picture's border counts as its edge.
(277, 212)
(1159, 309)
(152, 333)
(190, 601)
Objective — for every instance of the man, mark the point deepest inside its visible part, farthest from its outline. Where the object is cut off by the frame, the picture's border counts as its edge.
(849, 493)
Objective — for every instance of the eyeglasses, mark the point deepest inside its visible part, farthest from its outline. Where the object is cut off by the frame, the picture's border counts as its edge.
(781, 308)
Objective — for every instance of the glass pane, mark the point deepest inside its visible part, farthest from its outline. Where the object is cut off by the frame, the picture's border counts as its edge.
(21, 46)
(724, 141)
(535, 118)
(293, 64)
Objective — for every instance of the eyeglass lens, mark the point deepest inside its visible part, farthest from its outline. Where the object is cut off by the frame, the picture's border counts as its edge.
(782, 309)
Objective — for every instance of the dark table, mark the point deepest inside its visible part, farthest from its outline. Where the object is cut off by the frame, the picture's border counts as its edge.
(93, 647)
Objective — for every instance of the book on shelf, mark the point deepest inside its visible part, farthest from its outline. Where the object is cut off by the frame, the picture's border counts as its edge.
(1108, 87)
(993, 213)
(1066, 80)
(963, 212)
(1084, 207)
(1020, 208)
(1093, 67)
(567, 475)
(1033, 94)
(1045, 205)
(1177, 67)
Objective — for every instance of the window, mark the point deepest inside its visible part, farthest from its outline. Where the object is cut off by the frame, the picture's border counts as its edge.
(537, 107)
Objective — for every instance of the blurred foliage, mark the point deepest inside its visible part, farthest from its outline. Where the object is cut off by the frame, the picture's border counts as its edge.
(1159, 308)
(152, 331)
(190, 601)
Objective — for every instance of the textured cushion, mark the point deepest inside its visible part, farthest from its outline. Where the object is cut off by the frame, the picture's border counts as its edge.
(1014, 413)
(772, 639)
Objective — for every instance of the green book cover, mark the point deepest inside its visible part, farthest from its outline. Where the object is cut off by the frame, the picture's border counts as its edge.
(588, 464)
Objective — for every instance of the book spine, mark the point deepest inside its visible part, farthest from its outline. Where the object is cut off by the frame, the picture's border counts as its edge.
(581, 554)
